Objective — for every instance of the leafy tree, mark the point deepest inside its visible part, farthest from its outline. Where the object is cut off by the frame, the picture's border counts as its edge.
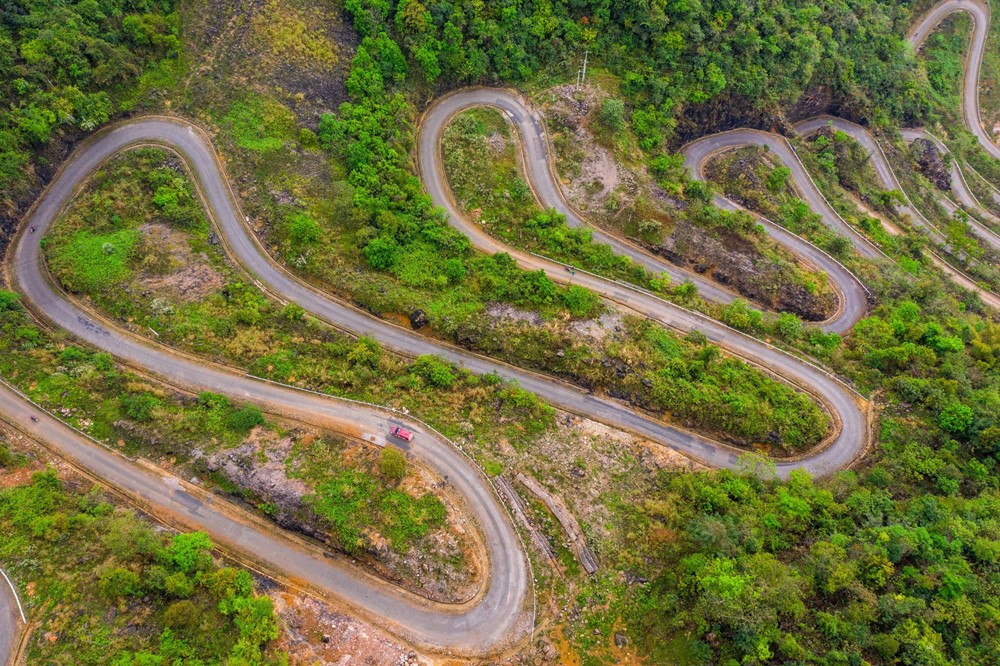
(612, 115)
(140, 406)
(581, 302)
(957, 419)
(182, 615)
(434, 370)
(392, 464)
(119, 582)
(778, 179)
(382, 252)
(245, 419)
(189, 552)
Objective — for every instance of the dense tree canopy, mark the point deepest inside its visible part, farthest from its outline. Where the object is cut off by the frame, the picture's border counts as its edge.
(63, 65)
(669, 53)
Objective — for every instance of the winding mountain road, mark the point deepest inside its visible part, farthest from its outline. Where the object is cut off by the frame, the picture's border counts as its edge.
(495, 618)
(960, 187)
(844, 405)
(979, 12)
(490, 622)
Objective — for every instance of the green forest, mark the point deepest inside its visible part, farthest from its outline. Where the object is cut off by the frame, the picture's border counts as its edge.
(895, 560)
(66, 68)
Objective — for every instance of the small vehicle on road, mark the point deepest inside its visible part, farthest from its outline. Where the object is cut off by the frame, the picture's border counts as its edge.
(34, 418)
(401, 433)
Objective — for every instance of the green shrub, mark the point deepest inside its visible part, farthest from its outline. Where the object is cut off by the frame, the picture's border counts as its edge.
(434, 370)
(957, 419)
(119, 582)
(178, 585)
(260, 124)
(191, 552)
(140, 406)
(246, 418)
(381, 252)
(303, 230)
(581, 302)
(90, 263)
(182, 615)
(612, 114)
(392, 464)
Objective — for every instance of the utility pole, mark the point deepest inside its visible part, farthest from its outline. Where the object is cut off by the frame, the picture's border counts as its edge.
(581, 74)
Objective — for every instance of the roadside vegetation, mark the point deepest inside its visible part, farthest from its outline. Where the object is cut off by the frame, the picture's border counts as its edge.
(892, 562)
(989, 76)
(203, 305)
(102, 585)
(304, 479)
(480, 160)
(942, 59)
(618, 186)
(831, 571)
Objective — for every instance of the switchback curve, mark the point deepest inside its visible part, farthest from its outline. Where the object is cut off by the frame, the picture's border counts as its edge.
(845, 406)
(979, 11)
(489, 624)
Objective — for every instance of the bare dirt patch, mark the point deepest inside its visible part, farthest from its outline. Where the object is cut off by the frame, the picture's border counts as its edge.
(507, 312)
(316, 633)
(496, 142)
(300, 50)
(598, 330)
(182, 276)
(595, 174)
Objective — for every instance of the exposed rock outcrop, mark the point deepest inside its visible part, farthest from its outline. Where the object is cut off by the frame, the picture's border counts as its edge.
(739, 266)
(932, 164)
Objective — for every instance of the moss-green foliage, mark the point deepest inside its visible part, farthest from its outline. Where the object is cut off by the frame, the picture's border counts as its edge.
(392, 464)
(98, 248)
(84, 556)
(68, 68)
(670, 56)
(354, 502)
(93, 262)
(105, 401)
(260, 124)
(701, 388)
(944, 59)
(894, 563)
(487, 183)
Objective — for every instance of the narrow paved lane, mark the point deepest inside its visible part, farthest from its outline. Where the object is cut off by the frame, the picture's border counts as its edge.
(960, 187)
(28, 273)
(493, 619)
(11, 621)
(492, 622)
(847, 444)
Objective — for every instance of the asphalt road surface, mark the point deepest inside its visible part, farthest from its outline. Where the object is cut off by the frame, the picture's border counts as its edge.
(10, 622)
(846, 445)
(477, 628)
(489, 621)
(980, 13)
